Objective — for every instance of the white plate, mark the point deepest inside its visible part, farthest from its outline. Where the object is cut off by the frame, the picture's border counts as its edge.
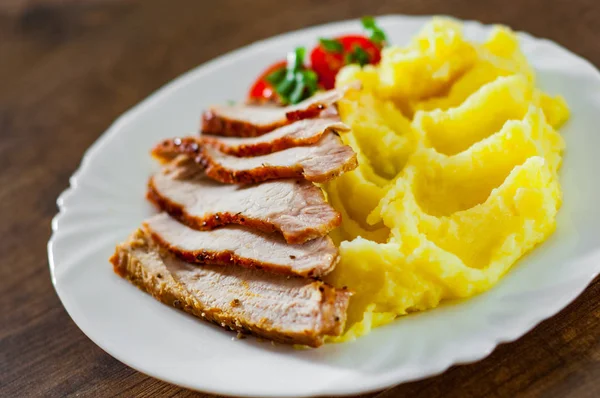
(106, 202)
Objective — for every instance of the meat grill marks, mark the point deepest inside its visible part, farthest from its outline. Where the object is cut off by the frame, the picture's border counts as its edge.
(300, 133)
(290, 310)
(253, 121)
(240, 246)
(295, 208)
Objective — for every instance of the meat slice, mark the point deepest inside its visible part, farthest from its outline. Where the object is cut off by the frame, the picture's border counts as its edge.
(241, 246)
(320, 162)
(296, 208)
(300, 133)
(252, 121)
(285, 309)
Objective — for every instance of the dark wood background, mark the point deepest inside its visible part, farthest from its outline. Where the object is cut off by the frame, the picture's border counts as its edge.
(69, 68)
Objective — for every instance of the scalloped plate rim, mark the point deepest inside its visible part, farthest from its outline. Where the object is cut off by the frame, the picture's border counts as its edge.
(502, 335)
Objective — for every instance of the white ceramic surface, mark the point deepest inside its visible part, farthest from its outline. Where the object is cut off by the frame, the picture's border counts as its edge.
(106, 202)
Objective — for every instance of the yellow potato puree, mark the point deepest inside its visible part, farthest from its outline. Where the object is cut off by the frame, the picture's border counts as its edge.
(458, 154)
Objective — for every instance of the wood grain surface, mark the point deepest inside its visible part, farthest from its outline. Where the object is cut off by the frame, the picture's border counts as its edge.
(69, 68)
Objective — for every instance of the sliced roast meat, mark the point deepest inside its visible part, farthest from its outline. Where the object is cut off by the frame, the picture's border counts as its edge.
(286, 309)
(320, 162)
(244, 247)
(252, 121)
(296, 208)
(300, 133)
(169, 149)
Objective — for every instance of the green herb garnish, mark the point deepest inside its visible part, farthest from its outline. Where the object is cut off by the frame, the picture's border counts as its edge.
(332, 45)
(295, 59)
(294, 83)
(357, 56)
(276, 76)
(376, 35)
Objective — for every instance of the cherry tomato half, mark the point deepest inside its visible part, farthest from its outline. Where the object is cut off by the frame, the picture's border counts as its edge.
(327, 62)
(262, 90)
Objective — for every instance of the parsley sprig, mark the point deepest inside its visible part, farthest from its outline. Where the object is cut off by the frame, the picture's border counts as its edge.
(295, 82)
(357, 56)
(332, 45)
(376, 35)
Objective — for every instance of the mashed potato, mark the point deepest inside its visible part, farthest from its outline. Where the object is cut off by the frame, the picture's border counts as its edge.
(459, 155)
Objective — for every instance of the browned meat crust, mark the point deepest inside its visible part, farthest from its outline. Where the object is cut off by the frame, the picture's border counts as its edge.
(301, 133)
(213, 123)
(315, 309)
(312, 111)
(304, 215)
(253, 121)
(243, 247)
(167, 150)
(321, 162)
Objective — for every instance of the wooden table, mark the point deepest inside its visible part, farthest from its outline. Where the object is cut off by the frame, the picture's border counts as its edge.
(68, 68)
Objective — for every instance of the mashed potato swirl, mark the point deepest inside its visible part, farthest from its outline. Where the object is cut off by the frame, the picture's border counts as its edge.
(459, 155)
